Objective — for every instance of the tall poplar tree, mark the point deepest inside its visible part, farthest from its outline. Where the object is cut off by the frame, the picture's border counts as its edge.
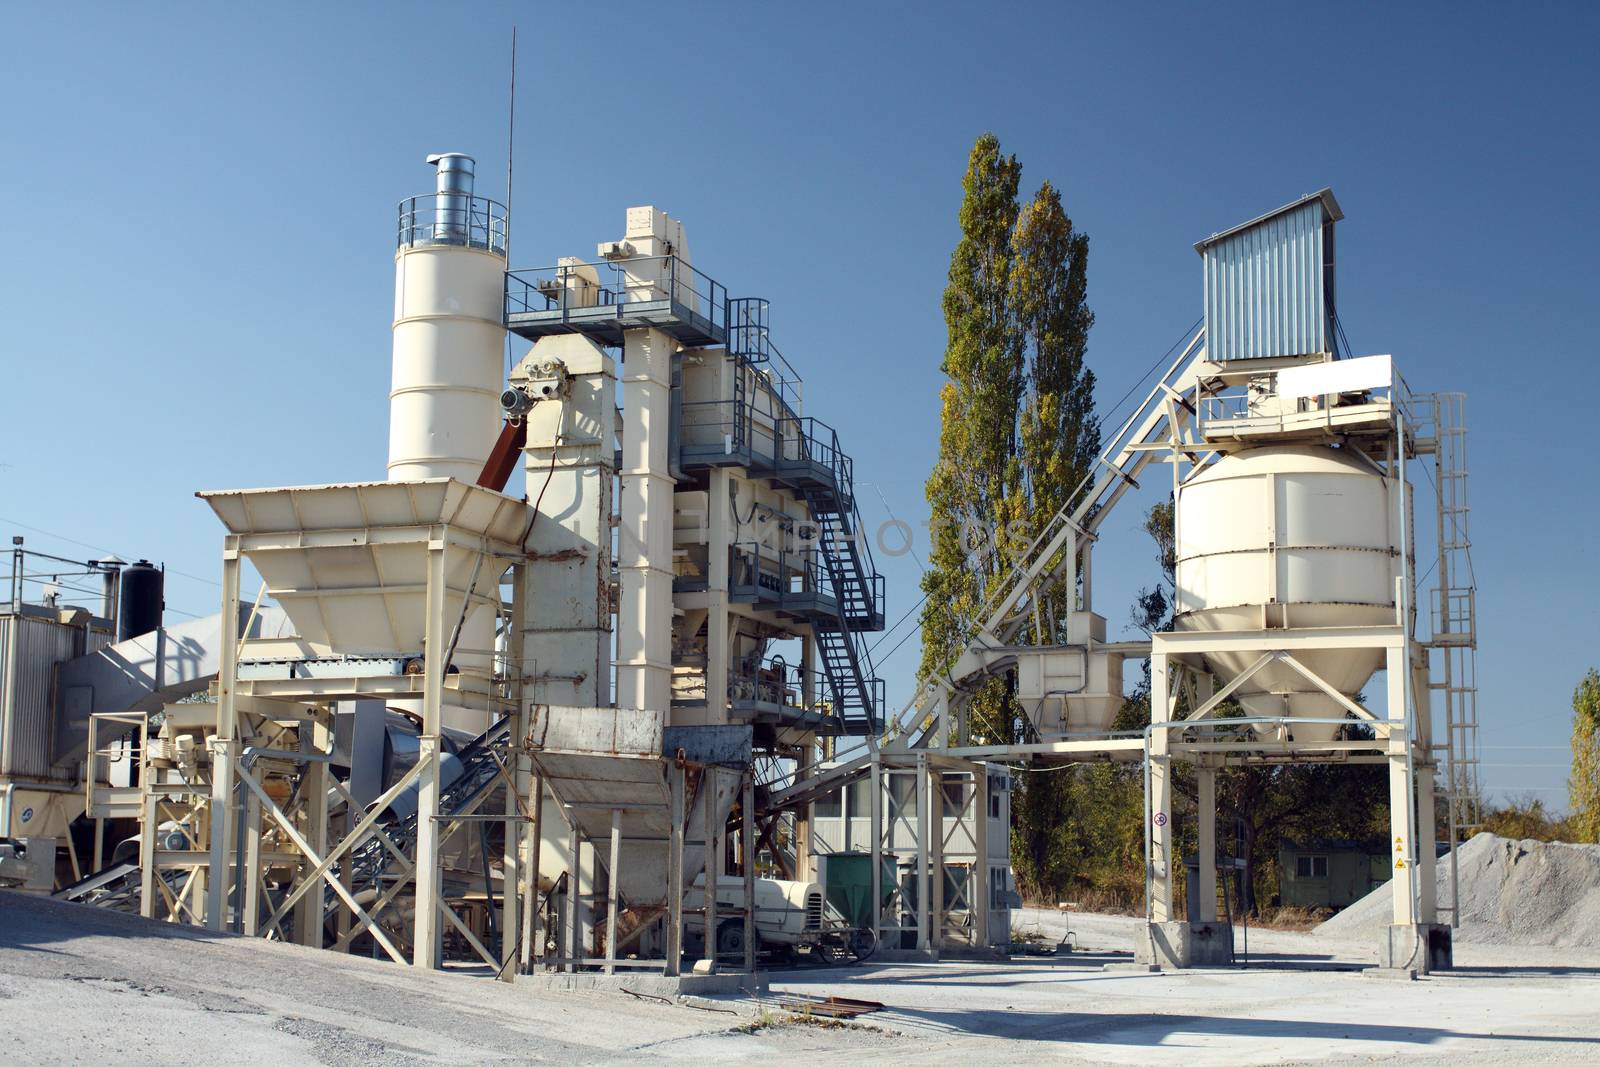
(1583, 787)
(1017, 435)
(984, 371)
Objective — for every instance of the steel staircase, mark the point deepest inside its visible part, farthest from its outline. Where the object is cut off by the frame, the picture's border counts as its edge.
(859, 589)
(855, 608)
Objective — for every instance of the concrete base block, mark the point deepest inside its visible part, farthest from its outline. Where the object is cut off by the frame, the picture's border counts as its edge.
(1210, 944)
(1424, 948)
(655, 985)
(1163, 945)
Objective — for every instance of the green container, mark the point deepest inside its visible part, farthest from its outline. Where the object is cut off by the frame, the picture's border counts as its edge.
(848, 885)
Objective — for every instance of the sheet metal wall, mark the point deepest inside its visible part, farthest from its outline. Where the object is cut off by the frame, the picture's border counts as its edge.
(1268, 288)
(30, 647)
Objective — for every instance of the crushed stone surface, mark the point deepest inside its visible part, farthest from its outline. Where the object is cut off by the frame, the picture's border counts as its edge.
(80, 986)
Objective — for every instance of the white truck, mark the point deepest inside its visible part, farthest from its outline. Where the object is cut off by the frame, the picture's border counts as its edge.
(791, 918)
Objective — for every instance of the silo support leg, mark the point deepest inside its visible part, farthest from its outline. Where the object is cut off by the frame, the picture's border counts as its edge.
(1166, 943)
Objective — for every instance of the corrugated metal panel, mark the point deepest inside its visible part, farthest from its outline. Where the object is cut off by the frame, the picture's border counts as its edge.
(30, 648)
(1268, 285)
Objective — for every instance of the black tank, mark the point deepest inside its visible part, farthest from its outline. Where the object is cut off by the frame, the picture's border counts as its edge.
(141, 600)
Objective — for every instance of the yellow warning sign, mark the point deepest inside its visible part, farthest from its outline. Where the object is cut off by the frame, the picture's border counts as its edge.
(1400, 864)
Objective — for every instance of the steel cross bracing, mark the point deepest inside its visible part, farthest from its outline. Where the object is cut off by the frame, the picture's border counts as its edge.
(478, 765)
(1050, 563)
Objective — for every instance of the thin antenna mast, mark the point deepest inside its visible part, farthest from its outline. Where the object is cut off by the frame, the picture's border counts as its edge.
(511, 143)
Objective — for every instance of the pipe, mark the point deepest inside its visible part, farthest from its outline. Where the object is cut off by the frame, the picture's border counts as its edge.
(6, 801)
(452, 197)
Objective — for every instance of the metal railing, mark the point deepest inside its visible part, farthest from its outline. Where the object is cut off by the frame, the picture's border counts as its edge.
(466, 222)
(772, 680)
(1235, 405)
(130, 743)
(805, 441)
(750, 341)
(617, 283)
(784, 577)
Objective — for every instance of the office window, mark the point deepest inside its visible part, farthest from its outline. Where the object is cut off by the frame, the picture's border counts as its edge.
(828, 807)
(1311, 867)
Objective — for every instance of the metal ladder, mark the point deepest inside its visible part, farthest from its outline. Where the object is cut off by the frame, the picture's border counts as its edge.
(1453, 617)
(836, 539)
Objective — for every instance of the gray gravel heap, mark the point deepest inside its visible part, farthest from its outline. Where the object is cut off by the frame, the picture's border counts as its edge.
(1512, 892)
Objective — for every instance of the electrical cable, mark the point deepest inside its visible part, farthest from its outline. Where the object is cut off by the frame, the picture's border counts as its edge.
(1115, 411)
(549, 473)
(102, 548)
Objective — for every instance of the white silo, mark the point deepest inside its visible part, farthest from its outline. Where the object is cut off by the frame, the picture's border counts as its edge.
(1290, 537)
(449, 341)
(449, 351)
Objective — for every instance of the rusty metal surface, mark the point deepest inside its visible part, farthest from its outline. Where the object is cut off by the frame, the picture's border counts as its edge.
(828, 1007)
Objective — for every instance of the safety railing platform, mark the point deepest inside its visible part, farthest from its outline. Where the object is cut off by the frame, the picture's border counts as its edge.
(461, 221)
(603, 300)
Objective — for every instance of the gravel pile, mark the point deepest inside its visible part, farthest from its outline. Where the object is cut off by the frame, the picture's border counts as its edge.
(1512, 892)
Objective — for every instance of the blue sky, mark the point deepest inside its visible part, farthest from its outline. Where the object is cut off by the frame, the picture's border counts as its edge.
(200, 211)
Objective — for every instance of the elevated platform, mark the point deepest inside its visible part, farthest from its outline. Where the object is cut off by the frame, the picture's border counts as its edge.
(660, 292)
(1375, 419)
(606, 323)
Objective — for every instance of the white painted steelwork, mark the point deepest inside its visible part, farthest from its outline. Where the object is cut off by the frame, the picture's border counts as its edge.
(644, 533)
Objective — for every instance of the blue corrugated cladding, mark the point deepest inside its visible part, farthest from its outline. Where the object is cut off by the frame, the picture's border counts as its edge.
(1265, 291)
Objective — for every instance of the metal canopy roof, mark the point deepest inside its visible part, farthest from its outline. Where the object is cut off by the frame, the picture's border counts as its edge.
(1329, 205)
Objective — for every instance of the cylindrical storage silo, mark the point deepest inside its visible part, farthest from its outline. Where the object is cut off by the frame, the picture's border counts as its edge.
(1283, 538)
(449, 343)
(449, 351)
(140, 605)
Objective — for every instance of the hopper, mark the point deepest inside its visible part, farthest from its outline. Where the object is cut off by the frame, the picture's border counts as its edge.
(349, 563)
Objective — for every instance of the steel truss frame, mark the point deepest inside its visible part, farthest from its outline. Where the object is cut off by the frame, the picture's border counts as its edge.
(315, 849)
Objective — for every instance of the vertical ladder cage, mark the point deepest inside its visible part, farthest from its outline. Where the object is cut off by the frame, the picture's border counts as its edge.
(1453, 664)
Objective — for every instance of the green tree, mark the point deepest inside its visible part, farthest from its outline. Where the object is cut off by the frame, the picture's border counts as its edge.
(1583, 787)
(984, 370)
(1523, 816)
(1017, 435)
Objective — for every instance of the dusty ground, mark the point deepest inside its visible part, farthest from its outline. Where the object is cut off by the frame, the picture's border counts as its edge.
(81, 986)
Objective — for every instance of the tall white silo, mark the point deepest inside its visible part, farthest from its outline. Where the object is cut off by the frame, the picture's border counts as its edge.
(449, 341)
(449, 351)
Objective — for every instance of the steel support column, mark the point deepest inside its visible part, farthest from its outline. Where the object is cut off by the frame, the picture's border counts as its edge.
(428, 883)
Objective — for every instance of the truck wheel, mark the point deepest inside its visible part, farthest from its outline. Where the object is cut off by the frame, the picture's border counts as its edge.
(862, 944)
(730, 938)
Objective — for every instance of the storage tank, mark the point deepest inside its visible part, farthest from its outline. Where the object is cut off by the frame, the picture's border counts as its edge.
(140, 605)
(449, 348)
(449, 343)
(1289, 537)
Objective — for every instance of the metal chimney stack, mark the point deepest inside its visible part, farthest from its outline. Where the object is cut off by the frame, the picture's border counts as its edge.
(452, 199)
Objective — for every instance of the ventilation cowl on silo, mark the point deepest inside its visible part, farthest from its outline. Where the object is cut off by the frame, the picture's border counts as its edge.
(1269, 283)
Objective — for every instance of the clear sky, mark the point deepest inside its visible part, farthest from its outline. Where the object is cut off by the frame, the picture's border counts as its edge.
(200, 213)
